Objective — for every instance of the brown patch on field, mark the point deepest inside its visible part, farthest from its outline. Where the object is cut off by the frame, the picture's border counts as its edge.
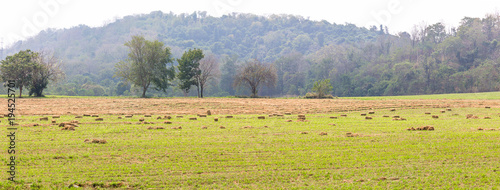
(323, 133)
(223, 106)
(349, 134)
(69, 128)
(99, 141)
(67, 125)
(424, 128)
(150, 128)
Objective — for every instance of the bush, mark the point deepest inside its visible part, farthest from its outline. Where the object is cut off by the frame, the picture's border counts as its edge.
(311, 95)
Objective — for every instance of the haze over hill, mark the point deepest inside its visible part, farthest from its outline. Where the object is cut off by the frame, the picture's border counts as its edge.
(358, 61)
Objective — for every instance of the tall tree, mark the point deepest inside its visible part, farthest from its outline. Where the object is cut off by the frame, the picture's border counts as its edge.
(48, 68)
(19, 67)
(209, 70)
(147, 64)
(253, 74)
(189, 69)
(227, 74)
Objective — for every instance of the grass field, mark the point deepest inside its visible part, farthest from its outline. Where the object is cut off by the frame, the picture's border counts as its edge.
(270, 153)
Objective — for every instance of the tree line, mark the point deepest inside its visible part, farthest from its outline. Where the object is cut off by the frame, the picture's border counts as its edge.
(149, 64)
(431, 58)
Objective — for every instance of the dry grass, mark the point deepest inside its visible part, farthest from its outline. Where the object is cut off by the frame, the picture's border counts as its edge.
(184, 106)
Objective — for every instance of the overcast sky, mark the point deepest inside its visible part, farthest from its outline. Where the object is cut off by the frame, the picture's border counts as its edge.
(25, 18)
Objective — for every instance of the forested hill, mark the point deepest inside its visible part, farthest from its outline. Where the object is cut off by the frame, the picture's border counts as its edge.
(358, 61)
(245, 35)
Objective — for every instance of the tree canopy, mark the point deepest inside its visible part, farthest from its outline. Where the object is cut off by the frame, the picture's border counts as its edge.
(147, 64)
(253, 74)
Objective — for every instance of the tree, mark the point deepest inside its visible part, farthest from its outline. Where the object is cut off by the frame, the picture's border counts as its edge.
(209, 70)
(228, 72)
(321, 88)
(47, 69)
(147, 64)
(253, 74)
(19, 67)
(189, 69)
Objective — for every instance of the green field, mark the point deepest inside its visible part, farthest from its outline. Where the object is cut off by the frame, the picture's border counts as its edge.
(384, 155)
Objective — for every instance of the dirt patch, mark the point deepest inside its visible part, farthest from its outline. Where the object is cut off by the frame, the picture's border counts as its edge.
(223, 106)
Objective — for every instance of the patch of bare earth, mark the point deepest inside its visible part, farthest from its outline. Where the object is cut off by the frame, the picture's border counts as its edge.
(221, 106)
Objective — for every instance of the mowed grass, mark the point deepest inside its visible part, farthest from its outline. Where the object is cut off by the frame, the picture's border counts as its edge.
(384, 155)
(456, 96)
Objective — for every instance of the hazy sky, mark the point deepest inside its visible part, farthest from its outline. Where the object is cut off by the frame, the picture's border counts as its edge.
(25, 18)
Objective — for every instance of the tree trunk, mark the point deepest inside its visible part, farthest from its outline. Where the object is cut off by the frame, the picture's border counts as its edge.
(198, 87)
(144, 89)
(20, 91)
(201, 91)
(254, 92)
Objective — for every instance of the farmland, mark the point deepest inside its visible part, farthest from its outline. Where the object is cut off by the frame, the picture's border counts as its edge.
(334, 147)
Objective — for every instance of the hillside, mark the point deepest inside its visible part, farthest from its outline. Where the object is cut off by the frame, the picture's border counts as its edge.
(359, 61)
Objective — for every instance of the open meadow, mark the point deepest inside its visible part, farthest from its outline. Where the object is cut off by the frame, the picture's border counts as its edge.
(424, 142)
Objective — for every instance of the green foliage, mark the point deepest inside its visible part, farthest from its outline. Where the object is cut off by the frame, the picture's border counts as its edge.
(322, 88)
(146, 64)
(19, 68)
(228, 69)
(31, 69)
(188, 67)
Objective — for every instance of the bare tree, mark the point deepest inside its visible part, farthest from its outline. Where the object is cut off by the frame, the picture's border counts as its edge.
(253, 74)
(209, 70)
(48, 68)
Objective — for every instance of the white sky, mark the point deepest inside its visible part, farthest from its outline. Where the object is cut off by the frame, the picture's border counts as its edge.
(25, 18)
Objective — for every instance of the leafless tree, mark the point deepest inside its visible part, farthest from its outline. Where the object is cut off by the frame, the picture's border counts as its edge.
(209, 70)
(253, 74)
(48, 68)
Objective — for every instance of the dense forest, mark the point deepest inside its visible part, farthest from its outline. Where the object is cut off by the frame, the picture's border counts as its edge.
(358, 61)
